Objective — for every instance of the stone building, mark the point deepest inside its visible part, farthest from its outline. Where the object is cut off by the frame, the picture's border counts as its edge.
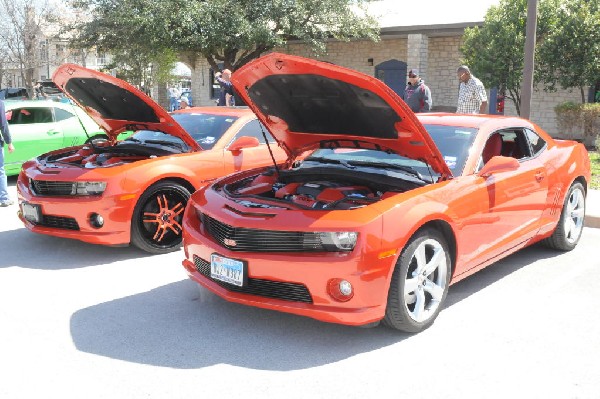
(433, 49)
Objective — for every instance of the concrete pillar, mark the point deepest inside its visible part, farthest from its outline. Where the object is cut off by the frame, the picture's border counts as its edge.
(418, 53)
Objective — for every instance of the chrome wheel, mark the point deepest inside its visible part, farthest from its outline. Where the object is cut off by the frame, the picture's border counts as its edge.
(419, 282)
(568, 230)
(574, 215)
(426, 280)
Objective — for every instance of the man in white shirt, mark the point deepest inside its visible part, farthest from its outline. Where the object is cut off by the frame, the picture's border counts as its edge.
(472, 98)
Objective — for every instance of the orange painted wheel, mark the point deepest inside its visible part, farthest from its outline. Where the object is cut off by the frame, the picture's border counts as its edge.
(156, 223)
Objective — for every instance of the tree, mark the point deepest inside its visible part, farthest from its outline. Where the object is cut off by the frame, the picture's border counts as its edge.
(23, 23)
(231, 32)
(570, 54)
(494, 51)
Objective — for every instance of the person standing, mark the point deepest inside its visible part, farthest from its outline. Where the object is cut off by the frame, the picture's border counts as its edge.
(416, 94)
(226, 96)
(4, 138)
(472, 98)
(174, 95)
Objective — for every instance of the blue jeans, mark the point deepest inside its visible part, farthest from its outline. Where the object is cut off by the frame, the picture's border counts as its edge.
(3, 183)
(173, 104)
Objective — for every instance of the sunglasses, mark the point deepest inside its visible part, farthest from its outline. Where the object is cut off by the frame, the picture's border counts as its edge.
(412, 76)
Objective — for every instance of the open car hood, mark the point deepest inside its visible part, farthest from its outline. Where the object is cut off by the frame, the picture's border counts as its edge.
(310, 104)
(116, 105)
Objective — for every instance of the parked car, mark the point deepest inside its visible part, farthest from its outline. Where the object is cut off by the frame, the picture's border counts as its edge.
(135, 190)
(387, 209)
(14, 93)
(41, 126)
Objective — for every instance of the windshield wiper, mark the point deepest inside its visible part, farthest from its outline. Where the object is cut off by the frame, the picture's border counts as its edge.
(333, 161)
(132, 139)
(181, 146)
(403, 168)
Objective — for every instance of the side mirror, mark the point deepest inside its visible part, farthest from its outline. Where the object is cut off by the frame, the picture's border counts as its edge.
(499, 164)
(243, 142)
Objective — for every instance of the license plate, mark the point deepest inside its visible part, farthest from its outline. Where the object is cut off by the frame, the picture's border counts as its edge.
(228, 270)
(31, 212)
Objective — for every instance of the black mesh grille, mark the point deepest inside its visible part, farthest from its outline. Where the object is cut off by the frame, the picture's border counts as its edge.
(266, 288)
(52, 188)
(58, 222)
(255, 240)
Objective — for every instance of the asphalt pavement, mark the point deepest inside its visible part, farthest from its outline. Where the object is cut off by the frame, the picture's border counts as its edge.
(81, 320)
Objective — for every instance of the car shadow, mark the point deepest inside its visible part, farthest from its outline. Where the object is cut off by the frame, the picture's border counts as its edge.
(23, 248)
(182, 325)
(496, 271)
(42, 252)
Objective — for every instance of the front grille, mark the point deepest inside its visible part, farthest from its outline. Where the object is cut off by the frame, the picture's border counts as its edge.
(255, 240)
(52, 188)
(58, 222)
(266, 288)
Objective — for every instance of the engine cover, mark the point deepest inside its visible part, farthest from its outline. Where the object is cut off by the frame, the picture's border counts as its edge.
(321, 194)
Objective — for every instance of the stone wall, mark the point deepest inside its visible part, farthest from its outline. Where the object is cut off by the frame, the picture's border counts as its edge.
(436, 57)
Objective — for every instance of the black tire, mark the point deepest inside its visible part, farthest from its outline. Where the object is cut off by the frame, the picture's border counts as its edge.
(156, 222)
(402, 311)
(570, 225)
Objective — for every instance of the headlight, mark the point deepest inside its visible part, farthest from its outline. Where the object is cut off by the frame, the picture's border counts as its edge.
(338, 241)
(89, 188)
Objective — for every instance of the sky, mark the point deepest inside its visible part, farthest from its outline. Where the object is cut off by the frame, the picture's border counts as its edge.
(429, 12)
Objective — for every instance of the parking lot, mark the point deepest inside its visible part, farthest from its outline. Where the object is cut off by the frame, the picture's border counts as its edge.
(78, 320)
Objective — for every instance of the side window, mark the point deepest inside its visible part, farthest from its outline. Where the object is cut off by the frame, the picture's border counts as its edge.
(253, 129)
(537, 143)
(62, 115)
(514, 144)
(508, 143)
(22, 116)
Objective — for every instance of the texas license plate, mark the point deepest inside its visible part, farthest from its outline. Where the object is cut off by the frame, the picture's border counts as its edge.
(228, 270)
(31, 212)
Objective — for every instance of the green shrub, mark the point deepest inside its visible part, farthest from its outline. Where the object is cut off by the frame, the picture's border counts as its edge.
(572, 117)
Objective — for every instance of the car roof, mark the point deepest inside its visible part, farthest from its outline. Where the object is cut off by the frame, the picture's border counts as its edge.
(230, 111)
(477, 121)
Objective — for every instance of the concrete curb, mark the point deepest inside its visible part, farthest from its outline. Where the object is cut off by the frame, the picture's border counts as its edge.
(592, 209)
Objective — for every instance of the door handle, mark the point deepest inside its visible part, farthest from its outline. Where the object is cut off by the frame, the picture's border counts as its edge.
(539, 176)
(52, 132)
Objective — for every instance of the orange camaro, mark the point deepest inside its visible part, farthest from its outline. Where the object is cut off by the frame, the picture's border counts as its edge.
(377, 210)
(135, 190)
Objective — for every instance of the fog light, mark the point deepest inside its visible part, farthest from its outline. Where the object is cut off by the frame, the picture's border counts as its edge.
(340, 290)
(96, 220)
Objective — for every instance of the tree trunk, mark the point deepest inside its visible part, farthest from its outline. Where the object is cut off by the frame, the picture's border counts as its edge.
(161, 95)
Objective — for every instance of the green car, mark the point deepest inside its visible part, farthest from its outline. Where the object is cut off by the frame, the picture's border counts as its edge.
(37, 127)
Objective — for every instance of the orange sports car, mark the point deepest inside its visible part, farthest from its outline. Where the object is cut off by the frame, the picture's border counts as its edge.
(377, 210)
(135, 190)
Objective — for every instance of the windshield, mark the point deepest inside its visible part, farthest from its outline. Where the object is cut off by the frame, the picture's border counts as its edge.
(453, 142)
(206, 129)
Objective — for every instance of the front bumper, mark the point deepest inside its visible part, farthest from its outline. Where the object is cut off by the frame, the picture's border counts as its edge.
(69, 216)
(296, 282)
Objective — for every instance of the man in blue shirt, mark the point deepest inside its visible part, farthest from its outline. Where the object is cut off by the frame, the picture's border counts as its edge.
(4, 138)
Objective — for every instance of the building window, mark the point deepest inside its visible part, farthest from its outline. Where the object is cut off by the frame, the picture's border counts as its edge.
(44, 50)
(100, 59)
